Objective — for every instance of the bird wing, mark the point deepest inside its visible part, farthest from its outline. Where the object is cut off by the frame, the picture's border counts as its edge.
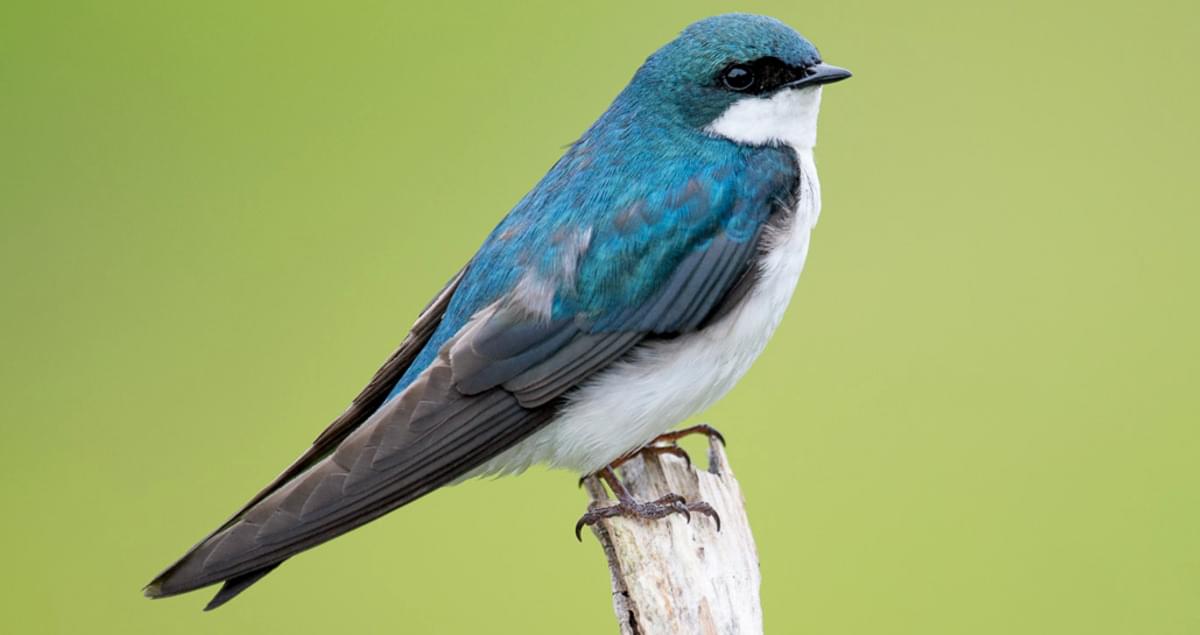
(655, 263)
(361, 407)
(370, 397)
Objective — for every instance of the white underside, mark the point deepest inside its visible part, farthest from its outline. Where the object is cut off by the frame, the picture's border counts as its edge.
(663, 383)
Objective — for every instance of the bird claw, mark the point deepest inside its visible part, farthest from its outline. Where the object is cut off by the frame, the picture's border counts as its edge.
(706, 509)
(652, 448)
(672, 449)
(671, 440)
(667, 443)
(705, 429)
(663, 506)
(653, 510)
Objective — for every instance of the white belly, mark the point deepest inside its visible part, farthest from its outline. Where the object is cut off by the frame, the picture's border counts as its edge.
(662, 383)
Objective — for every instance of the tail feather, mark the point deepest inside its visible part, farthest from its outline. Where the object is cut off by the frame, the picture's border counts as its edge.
(173, 581)
(234, 586)
(164, 586)
(187, 574)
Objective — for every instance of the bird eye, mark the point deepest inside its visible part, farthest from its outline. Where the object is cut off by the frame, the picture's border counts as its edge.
(738, 77)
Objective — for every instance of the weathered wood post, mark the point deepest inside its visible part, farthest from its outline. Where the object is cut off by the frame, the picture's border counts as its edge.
(673, 576)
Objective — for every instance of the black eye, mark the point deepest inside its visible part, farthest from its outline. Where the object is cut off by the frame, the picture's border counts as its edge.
(739, 78)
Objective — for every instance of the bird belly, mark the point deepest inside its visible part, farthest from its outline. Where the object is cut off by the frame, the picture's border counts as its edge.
(661, 383)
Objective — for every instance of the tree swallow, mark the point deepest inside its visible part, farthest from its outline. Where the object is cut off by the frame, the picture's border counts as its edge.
(629, 290)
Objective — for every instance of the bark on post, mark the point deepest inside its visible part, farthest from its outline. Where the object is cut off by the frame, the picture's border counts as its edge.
(672, 576)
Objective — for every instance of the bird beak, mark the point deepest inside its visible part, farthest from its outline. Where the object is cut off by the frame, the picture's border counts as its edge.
(820, 74)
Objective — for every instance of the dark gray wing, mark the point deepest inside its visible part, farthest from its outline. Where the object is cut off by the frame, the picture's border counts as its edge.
(372, 395)
(366, 402)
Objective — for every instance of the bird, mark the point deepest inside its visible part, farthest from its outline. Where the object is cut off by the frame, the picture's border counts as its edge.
(629, 290)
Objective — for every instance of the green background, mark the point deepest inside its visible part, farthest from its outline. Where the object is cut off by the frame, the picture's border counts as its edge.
(980, 415)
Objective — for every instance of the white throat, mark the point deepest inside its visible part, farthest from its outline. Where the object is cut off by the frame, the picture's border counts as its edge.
(789, 117)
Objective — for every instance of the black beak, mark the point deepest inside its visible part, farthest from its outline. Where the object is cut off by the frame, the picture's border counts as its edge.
(819, 74)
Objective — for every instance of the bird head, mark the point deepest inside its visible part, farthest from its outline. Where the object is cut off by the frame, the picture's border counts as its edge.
(747, 78)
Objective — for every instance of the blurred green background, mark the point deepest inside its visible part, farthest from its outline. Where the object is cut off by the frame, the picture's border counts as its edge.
(980, 415)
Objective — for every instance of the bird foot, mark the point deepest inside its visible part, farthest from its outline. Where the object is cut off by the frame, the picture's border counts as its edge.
(668, 443)
(650, 449)
(653, 510)
(673, 436)
(654, 449)
(627, 507)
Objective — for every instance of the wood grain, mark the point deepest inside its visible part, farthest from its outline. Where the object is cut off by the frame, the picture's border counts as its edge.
(672, 576)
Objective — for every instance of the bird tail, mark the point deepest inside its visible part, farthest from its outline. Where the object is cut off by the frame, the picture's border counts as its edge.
(235, 585)
(170, 582)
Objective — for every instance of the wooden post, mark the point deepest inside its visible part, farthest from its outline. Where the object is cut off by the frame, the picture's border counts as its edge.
(671, 576)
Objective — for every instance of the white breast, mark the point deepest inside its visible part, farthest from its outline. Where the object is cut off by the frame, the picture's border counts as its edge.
(663, 383)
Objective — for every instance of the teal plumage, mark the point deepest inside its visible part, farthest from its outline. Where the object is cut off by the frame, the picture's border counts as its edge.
(647, 187)
(639, 232)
